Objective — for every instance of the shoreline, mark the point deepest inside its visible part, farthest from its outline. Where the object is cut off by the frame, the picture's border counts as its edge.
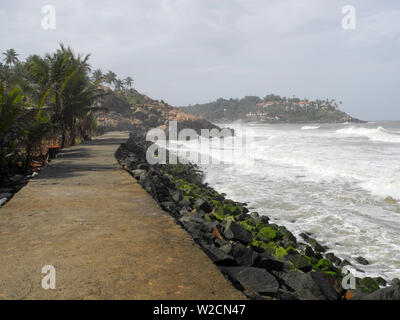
(264, 260)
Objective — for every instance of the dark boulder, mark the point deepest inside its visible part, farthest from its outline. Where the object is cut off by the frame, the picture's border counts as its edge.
(256, 279)
(314, 243)
(185, 203)
(390, 293)
(304, 286)
(218, 256)
(244, 256)
(234, 231)
(176, 195)
(299, 262)
(203, 205)
(362, 261)
(329, 286)
(266, 260)
(332, 258)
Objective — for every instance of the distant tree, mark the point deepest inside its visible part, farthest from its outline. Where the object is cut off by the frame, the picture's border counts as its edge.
(128, 82)
(119, 85)
(10, 57)
(110, 77)
(97, 74)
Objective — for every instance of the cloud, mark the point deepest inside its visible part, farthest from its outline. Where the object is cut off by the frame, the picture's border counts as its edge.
(189, 51)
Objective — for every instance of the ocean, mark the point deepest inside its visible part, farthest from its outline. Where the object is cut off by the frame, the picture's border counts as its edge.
(339, 182)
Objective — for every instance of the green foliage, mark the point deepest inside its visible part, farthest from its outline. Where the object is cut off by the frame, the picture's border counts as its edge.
(44, 98)
(278, 109)
(11, 124)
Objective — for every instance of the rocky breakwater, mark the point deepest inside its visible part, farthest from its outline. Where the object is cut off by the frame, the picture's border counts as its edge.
(264, 260)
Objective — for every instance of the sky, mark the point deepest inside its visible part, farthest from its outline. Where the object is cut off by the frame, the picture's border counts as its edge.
(195, 51)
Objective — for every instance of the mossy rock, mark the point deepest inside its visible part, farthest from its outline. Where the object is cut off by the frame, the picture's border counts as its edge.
(267, 234)
(331, 273)
(324, 265)
(257, 244)
(367, 285)
(247, 225)
(280, 252)
(291, 250)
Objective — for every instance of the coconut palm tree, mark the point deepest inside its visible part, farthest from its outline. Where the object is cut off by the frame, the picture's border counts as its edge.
(97, 74)
(72, 92)
(11, 126)
(110, 77)
(128, 82)
(10, 57)
(119, 85)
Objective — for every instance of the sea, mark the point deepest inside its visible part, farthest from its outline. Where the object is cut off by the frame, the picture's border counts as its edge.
(338, 182)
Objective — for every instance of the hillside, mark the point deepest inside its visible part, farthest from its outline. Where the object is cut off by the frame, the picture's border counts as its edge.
(271, 109)
(132, 110)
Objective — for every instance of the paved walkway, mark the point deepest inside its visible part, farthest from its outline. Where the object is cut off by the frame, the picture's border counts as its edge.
(105, 236)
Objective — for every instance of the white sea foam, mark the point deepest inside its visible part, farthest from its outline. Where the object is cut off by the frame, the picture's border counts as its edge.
(374, 134)
(310, 127)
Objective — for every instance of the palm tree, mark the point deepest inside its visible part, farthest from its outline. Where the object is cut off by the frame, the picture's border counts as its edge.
(72, 92)
(119, 85)
(110, 77)
(97, 74)
(11, 126)
(10, 57)
(128, 82)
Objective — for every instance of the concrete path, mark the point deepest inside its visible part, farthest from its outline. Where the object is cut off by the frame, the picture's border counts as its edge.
(105, 236)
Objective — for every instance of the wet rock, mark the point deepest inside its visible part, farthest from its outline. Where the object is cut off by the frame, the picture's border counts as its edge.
(256, 279)
(335, 260)
(176, 195)
(202, 204)
(234, 231)
(390, 293)
(218, 256)
(286, 235)
(244, 256)
(362, 261)
(299, 262)
(304, 285)
(266, 260)
(380, 281)
(169, 206)
(367, 285)
(314, 243)
(344, 263)
(254, 215)
(395, 281)
(185, 203)
(329, 286)
(226, 247)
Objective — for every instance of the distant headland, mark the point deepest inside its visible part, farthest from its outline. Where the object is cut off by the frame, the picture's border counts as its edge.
(272, 109)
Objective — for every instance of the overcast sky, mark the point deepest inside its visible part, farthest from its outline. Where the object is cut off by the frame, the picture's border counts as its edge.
(194, 51)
